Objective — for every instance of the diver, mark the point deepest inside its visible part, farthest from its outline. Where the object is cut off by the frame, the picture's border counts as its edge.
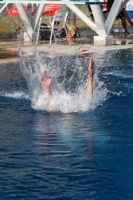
(46, 81)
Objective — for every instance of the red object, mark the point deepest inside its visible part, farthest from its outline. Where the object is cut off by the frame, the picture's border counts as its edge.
(68, 32)
(13, 11)
(49, 10)
(104, 5)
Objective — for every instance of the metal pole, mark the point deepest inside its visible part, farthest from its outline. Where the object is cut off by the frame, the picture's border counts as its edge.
(68, 18)
(74, 19)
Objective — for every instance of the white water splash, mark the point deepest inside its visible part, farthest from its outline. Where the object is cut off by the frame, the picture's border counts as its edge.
(68, 87)
(117, 74)
(15, 95)
(63, 102)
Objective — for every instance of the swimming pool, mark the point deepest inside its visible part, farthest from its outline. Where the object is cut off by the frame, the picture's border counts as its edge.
(68, 155)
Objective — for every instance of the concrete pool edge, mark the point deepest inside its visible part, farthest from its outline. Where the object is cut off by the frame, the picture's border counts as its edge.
(63, 50)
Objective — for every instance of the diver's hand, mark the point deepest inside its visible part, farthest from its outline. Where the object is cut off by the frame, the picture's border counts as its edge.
(46, 80)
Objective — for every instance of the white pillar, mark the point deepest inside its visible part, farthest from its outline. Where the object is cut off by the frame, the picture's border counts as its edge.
(98, 17)
(4, 8)
(123, 4)
(37, 15)
(26, 21)
(116, 7)
(82, 16)
(102, 39)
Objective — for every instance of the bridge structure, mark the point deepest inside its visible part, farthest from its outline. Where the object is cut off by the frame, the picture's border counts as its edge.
(100, 25)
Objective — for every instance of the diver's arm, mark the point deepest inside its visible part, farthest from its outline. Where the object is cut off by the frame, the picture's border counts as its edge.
(91, 71)
(48, 99)
(89, 87)
(46, 82)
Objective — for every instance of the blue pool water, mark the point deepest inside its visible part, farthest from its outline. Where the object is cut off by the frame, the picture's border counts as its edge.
(68, 154)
